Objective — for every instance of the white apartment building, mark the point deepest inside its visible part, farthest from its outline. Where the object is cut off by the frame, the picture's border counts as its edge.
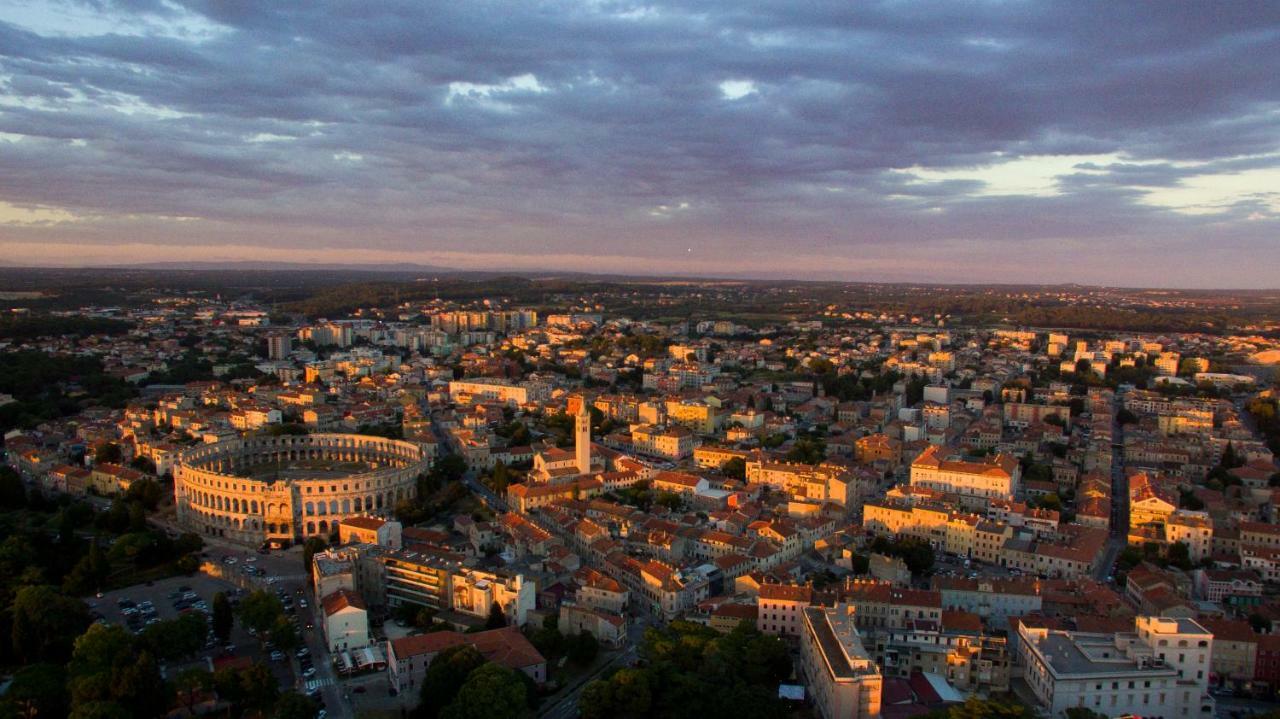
(1159, 669)
(843, 681)
(496, 390)
(474, 592)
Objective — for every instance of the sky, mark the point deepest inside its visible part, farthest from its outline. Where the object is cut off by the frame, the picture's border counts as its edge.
(1133, 144)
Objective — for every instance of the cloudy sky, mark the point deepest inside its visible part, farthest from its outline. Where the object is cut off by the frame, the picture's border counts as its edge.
(1103, 142)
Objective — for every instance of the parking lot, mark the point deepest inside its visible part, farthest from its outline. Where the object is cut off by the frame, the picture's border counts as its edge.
(134, 607)
(950, 565)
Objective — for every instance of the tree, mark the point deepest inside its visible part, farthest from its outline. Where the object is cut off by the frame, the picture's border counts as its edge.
(583, 649)
(500, 478)
(1083, 713)
(283, 634)
(191, 684)
(109, 667)
(444, 678)
(1180, 555)
(148, 492)
(625, 695)
(917, 553)
(974, 708)
(670, 500)
(808, 450)
(310, 548)
(89, 574)
(860, 563)
(694, 671)
(915, 391)
(548, 640)
(497, 618)
(13, 494)
(1129, 558)
(1188, 500)
(108, 453)
(260, 610)
(99, 710)
(292, 705)
(222, 616)
(735, 468)
(39, 690)
(450, 467)
(489, 691)
(176, 638)
(1050, 501)
(260, 686)
(144, 465)
(1260, 624)
(46, 624)
(1230, 460)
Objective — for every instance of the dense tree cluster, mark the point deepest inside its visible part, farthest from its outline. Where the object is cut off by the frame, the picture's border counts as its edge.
(915, 552)
(30, 326)
(439, 490)
(1265, 412)
(70, 667)
(461, 684)
(694, 671)
(47, 387)
(581, 649)
(975, 708)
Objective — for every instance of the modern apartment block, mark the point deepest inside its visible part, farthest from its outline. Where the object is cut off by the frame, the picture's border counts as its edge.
(1159, 669)
(843, 680)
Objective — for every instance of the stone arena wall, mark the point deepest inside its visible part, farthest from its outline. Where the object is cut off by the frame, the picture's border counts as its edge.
(215, 498)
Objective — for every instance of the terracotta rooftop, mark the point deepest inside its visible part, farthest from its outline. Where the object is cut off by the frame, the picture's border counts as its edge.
(339, 600)
(369, 523)
(505, 646)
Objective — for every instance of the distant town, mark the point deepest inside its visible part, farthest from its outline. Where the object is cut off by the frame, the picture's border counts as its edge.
(298, 494)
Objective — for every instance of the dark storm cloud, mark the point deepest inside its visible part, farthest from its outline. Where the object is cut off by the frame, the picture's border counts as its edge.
(525, 128)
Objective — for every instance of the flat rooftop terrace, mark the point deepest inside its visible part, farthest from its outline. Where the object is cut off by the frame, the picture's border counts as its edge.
(1090, 654)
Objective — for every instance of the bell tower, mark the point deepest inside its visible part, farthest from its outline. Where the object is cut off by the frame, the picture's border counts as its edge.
(582, 438)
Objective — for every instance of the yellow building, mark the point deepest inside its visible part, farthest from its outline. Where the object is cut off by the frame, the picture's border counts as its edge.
(1148, 503)
(697, 416)
(925, 522)
(1193, 529)
(879, 448)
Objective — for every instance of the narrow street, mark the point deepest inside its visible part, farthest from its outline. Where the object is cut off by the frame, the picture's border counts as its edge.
(1119, 500)
(565, 706)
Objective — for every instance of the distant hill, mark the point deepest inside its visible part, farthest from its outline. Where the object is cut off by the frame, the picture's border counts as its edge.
(260, 265)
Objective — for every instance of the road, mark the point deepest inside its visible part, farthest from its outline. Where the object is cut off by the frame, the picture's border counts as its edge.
(495, 503)
(486, 495)
(1119, 502)
(1238, 707)
(565, 706)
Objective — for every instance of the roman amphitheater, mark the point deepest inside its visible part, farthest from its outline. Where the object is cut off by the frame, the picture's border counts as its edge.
(282, 489)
